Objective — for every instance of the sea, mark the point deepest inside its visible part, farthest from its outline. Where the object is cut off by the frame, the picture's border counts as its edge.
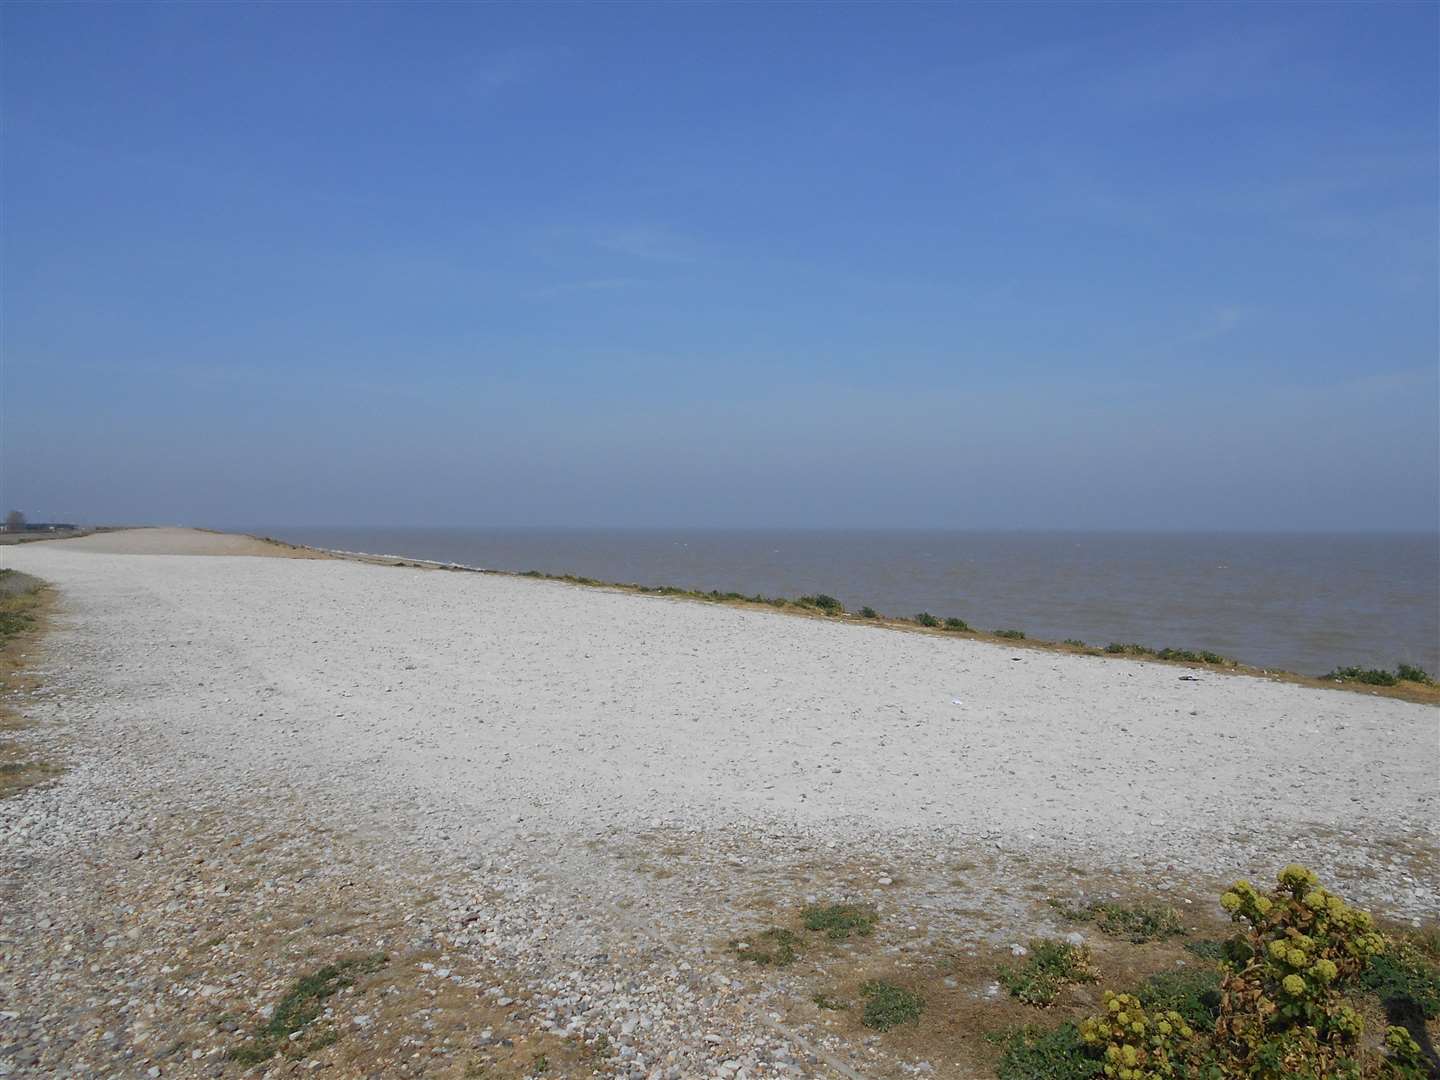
(1296, 602)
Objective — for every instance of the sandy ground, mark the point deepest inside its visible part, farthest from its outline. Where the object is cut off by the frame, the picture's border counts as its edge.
(173, 541)
(572, 735)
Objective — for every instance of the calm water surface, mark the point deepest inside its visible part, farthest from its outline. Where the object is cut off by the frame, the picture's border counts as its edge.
(1299, 602)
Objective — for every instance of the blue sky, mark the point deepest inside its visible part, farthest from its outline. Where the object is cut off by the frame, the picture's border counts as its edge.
(1118, 266)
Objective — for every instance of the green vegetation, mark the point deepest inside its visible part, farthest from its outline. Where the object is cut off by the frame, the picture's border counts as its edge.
(1206, 949)
(1129, 650)
(1405, 979)
(19, 596)
(1380, 677)
(1202, 657)
(1033, 1053)
(1050, 967)
(829, 605)
(888, 1005)
(775, 947)
(300, 1006)
(1194, 993)
(1137, 923)
(1368, 676)
(825, 1001)
(1274, 1006)
(839, 921)
(1134, 1043)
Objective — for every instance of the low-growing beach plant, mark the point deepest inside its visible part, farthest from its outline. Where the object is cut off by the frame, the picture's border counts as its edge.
(888, 1005)
(775, 947)
(1033, 1053)
(1075, 641)
(1206, 949)
(1178, 654)
(1016, 635)
(1368, 676)
(1134, 922)
(926, 619)
(824, 602)
(869, 613)
(1193, 992)
(1405, 980)
(301, 1006)
(1411, 673)
(1050, 967)
(1131, 649)
(840, 921)
(956, 624)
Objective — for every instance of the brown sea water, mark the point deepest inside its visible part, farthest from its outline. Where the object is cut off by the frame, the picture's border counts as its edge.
(1302, 603)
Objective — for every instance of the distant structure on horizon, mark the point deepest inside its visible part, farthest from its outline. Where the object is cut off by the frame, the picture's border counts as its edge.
(15, 523)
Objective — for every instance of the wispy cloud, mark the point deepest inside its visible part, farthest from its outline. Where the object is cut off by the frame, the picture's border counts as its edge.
(650, 242)
(1220, 322)
(484, 75)
(590, 285)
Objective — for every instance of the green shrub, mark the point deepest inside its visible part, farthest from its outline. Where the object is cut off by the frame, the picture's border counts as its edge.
(824, 602)
(1014, 634)
(1129, 650)
(1050, 967)
(1075, 641)
(1193, 992)
(888, 1005)
(1283, 1012)
(1410, 673)
(1368, 676)
(1136, 1044)
(956, 624)
(839, 921)
(869, 613)
(1274, 1008)
(1032, 1053)
(1178, 654)
(926, 619)
(1206, 949)
(1137, 923)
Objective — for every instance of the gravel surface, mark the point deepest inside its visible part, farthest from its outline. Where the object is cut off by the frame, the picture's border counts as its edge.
(578, 797)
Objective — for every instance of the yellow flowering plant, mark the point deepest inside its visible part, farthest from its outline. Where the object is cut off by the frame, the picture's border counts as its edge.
(1134, 1044)
(1283, 1013)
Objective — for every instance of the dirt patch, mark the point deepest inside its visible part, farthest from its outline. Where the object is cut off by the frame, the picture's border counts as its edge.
(170, 541)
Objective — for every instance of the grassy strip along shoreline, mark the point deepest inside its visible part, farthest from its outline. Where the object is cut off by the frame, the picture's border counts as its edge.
(1408, 683)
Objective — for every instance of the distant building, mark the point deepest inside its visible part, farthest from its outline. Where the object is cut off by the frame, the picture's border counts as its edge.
(47, 526)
